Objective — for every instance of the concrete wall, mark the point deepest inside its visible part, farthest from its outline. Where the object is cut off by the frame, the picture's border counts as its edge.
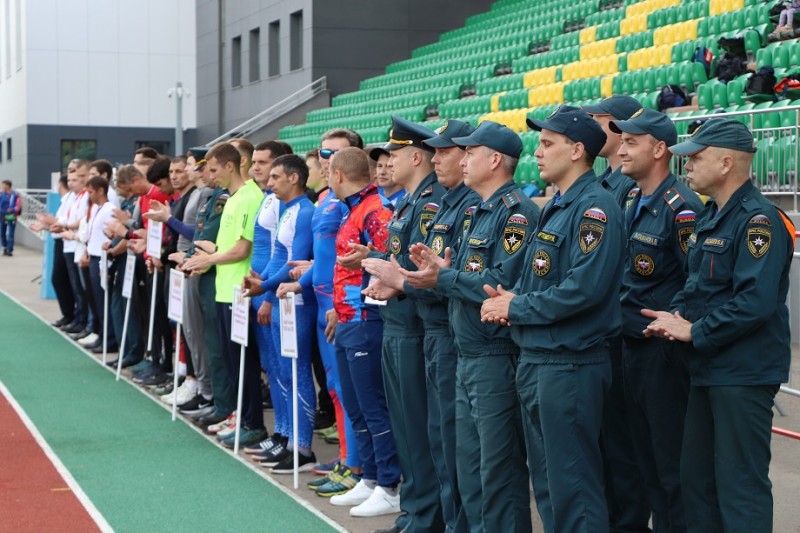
(355, 40)
(345, 40)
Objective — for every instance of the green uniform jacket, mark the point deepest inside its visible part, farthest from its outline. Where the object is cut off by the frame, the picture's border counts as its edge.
(492, 252)
(208, 218)
(409, 225)
(618, 185)
(446, 230)
(655, 251)
(735, 293)
(568, 306)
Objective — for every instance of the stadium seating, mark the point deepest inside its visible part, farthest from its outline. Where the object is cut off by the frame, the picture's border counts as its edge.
(521, 58)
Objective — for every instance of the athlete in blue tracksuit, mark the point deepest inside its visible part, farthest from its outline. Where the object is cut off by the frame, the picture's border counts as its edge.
(325, 224)
(294, 241)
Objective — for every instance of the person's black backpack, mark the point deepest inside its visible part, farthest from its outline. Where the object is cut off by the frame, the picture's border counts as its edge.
(728, 67)
(762, 82)
(671, 96)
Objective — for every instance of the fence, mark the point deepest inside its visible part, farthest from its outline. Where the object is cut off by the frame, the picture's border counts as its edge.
(34, 201)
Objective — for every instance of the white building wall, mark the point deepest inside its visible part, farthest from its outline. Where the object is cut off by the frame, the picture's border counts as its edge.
(109, 63)
(12, 60)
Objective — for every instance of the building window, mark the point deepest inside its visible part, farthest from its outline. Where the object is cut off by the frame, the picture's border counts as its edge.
(255, 54)
(162, 147)
(77, 149)
(275, 48)
(9, 152)
(1, 151)
(236, 61)
(296, 41)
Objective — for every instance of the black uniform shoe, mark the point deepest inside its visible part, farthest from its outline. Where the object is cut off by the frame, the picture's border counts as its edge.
(75, 327)
(60, 322)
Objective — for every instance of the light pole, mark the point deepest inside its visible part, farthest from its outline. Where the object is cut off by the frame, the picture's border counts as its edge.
(179, 93)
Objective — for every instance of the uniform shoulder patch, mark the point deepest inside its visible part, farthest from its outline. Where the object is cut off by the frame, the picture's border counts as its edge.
(430, 206)
(758, 241)
(760, 219)
(511, 199)
(674, 199)
(595, 213)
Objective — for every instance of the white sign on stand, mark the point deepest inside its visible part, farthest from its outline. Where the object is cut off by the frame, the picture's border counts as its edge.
(127, 291)
(240, 317)
(127, 281)
(104, 269)
(240, 323)
(289, 325)
(175, 308)
(288, 313)
(154, 233)
(104, 285)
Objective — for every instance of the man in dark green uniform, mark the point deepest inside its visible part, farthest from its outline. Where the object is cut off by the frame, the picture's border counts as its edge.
(445, 230)
(564, 312)
(403, 355)
(206, 229)
(490, 459)
(628, 510)
(733, 312)
(658, 224)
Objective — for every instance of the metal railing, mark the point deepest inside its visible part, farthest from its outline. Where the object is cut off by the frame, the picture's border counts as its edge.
(777, 132)
(34, 201)
(275, 111)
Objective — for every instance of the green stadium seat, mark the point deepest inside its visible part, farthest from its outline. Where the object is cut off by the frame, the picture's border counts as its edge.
(720, 94)
(705, 96)
(763, 57)
(735, 91)
(713, 26)
(702, 27)
(780, 57)
(649, 80)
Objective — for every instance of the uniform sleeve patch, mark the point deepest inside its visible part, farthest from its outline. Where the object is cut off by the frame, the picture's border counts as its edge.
(589, 236)
(430, 206)
(595, 213)
(761, 219)
(633, 192)
(684, 235)
(518, 218)
(685, 216)
(758, 241)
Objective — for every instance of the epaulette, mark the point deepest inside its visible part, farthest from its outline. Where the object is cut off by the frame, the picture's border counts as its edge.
(511, 199)
(427, 192)
(674, 199)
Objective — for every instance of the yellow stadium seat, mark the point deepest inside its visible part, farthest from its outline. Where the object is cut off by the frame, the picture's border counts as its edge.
(587, 35)
(605, 85)
(495, 102)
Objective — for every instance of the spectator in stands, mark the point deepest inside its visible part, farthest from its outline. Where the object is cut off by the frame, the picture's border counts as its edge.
(563, 312)
(490, 455)
(10, 209)
(786, 18)
(655, 376)
(732, 307)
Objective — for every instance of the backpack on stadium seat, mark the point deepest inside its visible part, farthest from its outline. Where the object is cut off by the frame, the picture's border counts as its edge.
(789, 85)
(762, 84)
(729, 66)
(671, 96)
(704, 56)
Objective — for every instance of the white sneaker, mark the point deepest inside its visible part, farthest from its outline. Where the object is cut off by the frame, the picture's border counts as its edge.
(186, 392)
(229, 429)
(379, 503)
(89, 339)
(219, 426)
(355, 496)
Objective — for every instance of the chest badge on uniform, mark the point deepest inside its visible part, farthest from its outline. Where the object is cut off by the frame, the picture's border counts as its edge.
(590, 235)
(437, 245)
(394, 245)
(429, 210)
(513, 239)
(541, 263)
(474, 263)
(644, 265)
(758, 240)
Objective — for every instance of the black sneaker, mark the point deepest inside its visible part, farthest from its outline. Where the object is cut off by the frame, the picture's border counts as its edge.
(75, 327)
(158, 378)
(275, 456)
(214, 417)
(81, 334)
(61, 322)
(304, 464)
(195, 404)
(324, 420)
